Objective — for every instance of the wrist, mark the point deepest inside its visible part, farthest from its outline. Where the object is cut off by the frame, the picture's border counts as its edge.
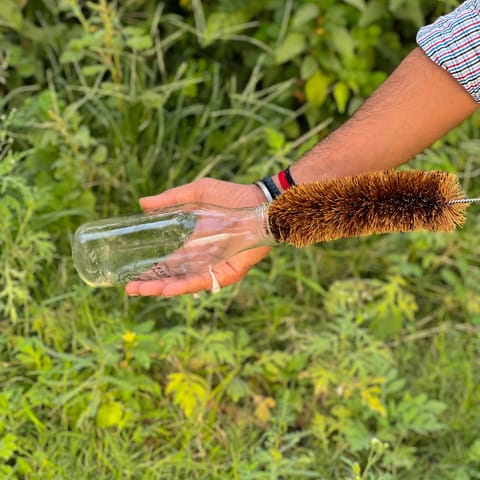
(257, 195)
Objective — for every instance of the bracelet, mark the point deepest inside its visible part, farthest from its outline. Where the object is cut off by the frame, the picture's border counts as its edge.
(271, 187)
(265, 191)
(285, 179)
(289, 177)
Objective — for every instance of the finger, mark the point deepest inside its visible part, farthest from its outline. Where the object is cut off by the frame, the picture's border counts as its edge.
(225, 275)
(171, 287)
(146, 289)
(131, 288)
(174, 196)
(192, 284)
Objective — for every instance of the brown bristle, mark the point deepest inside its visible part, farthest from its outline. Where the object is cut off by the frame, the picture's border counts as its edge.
(376, 202)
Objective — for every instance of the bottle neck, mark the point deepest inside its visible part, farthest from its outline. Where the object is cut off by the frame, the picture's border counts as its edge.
(263, 227)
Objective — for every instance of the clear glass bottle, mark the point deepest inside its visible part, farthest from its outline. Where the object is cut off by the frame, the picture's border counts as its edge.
(175, 241)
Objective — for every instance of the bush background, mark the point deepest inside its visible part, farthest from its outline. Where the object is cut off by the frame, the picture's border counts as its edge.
(358, 359)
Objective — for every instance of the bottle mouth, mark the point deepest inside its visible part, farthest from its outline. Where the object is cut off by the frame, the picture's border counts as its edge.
(263, 226)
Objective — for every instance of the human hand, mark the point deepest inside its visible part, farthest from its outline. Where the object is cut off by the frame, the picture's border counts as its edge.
(215, 192)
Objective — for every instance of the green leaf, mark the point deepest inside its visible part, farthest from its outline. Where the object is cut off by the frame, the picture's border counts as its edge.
(275, 139)
(341, 94)
(474, 452)
(308, 68)
(23, 467)
(140, 43)
(8, 446)
(357, 435)
(133, 31)
(190, 90)
(395, 5)
(413, 12)
(293, 45)
(189, 391)
(222, 25)
(11, 13)
(316, 89)
(71, 56)
(152, 99)
(82, 137)
(359, 4)
(237, 389)
(343, 42)
(143, 358)
(144, 327)
(6, 471)
(100, 154)
(86, 41)
(91, 70)
(374, 11)
(418, 414)
(109, 415)
(304, 14)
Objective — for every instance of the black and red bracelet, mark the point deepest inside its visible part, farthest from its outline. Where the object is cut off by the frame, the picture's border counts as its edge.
(271, 187)
(285, 179)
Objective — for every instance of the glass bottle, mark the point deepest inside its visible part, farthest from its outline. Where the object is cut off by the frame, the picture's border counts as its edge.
(171, 242)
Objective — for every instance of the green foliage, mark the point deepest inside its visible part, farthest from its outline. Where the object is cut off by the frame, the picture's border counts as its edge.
(353, 360)
(24, 249)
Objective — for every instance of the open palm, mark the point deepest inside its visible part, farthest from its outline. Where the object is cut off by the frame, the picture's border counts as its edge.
(228, 272)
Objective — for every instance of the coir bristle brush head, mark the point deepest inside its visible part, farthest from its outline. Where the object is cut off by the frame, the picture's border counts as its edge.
(376, 202)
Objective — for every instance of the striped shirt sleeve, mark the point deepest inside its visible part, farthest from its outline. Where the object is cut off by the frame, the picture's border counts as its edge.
(453, 43)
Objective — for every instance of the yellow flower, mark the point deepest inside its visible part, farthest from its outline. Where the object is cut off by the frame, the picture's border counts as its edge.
(129, 337)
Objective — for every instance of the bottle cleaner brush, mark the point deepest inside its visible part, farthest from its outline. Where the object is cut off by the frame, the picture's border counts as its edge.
(370, 203)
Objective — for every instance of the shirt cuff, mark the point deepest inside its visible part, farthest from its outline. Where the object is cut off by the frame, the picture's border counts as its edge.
(453, 43)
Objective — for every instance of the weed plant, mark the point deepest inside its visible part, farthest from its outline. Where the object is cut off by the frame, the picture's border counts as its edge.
(358, 359)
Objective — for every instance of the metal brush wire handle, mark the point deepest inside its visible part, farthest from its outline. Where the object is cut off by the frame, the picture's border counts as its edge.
(464, 200)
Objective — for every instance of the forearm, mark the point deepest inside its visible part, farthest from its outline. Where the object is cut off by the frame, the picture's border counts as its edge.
(415, 106)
